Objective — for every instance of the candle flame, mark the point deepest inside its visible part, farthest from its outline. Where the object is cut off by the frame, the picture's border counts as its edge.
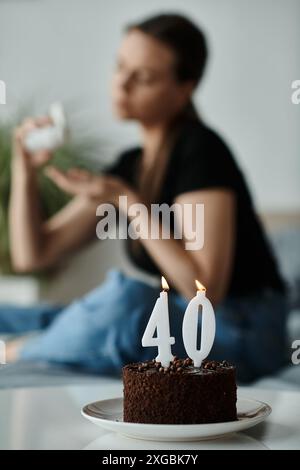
(200, 286)
(164, 283)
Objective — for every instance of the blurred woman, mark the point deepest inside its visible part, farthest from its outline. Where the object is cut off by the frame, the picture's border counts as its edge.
(160, 63)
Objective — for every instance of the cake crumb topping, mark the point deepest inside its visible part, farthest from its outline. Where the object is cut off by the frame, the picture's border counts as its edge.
(178, 366)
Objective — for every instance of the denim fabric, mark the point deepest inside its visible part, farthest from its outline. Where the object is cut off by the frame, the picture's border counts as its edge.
(102, 331)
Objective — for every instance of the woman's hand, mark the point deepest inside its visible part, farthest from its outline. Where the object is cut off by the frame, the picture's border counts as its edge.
(26, 161)
(98, 188)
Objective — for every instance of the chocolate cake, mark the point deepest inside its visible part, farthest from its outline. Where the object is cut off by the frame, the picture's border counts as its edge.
(179, 394)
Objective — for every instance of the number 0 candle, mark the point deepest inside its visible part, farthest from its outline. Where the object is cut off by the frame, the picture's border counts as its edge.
(190, 323)
(159, 320)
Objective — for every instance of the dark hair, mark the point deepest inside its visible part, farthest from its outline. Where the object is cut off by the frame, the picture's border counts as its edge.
(185, 39)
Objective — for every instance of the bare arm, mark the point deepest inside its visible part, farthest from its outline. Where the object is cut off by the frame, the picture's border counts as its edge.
(212, 264)
(35, 244)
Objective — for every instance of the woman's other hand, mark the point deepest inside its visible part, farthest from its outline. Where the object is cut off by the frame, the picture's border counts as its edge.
(98, 188)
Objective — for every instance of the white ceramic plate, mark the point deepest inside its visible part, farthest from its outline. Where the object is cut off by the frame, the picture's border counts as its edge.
(109, 415)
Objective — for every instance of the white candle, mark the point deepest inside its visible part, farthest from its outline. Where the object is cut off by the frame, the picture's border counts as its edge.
(159, 320)
(208, 327)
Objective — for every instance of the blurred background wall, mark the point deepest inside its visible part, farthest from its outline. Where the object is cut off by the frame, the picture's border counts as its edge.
(65, 49)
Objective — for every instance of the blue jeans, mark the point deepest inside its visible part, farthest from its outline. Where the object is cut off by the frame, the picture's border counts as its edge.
(102, 331)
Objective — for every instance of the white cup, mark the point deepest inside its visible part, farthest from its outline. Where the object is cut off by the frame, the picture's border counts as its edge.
(50, 137)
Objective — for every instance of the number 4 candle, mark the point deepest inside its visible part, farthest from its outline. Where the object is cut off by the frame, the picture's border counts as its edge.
(159, 320)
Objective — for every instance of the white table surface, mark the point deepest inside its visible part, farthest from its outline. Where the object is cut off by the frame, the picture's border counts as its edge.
(49, 418)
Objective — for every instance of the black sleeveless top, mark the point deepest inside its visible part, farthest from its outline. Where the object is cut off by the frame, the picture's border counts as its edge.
(200, 160)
